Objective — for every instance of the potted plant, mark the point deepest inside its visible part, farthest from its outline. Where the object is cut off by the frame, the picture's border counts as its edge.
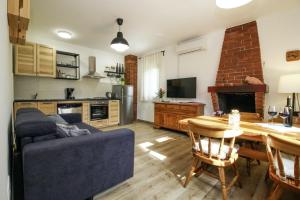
(160, 94)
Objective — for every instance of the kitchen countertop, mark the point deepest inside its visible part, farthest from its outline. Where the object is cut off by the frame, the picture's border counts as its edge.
(79, 99)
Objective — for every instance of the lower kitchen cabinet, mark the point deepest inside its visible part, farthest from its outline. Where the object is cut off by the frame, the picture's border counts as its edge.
(19, 105)
(99, 123)
(113, 112)
(48, 108)
(86, 112)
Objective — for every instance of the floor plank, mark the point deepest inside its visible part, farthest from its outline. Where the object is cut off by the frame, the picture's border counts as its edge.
(162, 160)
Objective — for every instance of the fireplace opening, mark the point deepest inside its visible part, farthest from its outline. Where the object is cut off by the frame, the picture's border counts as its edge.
(244, 102)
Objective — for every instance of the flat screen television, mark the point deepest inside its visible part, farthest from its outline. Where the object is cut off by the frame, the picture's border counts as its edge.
(182, 88)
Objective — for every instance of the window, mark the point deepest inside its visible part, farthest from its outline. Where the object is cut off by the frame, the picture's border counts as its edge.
(150, 67)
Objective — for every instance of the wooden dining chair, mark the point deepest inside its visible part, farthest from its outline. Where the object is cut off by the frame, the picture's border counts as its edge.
(247, 146)
(250, 117)
(209, 148)
(283, 155)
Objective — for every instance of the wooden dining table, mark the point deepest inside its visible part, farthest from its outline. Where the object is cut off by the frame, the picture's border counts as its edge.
(250, 131)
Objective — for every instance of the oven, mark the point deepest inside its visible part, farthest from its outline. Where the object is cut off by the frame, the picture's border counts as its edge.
(99, 110)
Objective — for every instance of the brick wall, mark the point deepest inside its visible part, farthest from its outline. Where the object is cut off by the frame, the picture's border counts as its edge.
(240, 57)
(131, 78)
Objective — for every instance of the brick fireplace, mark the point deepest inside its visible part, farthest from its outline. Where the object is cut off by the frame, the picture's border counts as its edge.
(240, 57)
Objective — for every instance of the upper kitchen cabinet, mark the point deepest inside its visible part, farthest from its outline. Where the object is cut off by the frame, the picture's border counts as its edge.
(25, 59)
(34, 60)
(18, 14)
(46, 61)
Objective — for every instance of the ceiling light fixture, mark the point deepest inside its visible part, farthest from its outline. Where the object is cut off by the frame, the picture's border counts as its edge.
(228, 4)
(64, 34)
(119, 43)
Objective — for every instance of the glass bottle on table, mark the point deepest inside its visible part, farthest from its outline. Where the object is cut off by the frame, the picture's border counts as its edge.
(289, 119)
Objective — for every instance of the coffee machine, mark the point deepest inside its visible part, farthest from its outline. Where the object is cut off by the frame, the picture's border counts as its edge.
(69, 93)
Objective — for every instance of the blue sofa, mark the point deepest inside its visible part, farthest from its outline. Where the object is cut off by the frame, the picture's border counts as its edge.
(71, 168)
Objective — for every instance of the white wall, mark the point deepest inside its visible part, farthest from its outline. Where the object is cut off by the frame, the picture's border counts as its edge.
(6, 98)
(278, 33)
(25, 87)
(200, 64)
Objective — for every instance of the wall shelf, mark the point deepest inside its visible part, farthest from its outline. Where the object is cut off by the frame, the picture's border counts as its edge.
(114, 74)
(67, 64)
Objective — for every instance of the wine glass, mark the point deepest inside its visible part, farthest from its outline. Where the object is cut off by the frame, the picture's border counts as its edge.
(284, 113)
(272, 112)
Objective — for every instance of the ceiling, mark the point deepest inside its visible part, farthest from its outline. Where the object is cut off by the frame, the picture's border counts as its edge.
(148, 24)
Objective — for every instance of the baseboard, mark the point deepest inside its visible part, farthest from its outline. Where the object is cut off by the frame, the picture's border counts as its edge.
(140, 120)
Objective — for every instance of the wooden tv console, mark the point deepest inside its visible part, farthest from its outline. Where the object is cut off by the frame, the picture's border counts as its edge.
(167, 114)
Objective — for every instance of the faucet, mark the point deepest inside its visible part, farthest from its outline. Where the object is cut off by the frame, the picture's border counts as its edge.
(35, 96)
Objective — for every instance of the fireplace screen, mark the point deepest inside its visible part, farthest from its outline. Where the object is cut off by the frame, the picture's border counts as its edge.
(244, 102)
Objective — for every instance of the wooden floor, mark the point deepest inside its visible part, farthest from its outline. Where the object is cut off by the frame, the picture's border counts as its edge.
(162, 159)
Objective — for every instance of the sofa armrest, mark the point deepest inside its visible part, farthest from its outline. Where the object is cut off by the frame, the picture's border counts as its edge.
(91, 163)
(72, 118)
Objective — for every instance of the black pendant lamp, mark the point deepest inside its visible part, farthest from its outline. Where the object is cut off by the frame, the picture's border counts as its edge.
(119, 43)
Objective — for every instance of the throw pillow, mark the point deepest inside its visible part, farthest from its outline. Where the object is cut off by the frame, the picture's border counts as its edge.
(57, 119)
(64, 130)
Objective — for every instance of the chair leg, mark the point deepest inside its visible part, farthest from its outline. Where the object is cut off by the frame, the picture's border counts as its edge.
(276, 194)
(254, 147)
(190, 174)
(223, 182)
(248, 166)
(236, 173)
(267, 175)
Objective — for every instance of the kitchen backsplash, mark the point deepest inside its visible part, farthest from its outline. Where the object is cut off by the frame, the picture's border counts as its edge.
(49, 88)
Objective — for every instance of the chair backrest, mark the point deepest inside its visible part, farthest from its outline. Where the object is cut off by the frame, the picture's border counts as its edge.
(283, 146)
(247, 116)
(200, 131)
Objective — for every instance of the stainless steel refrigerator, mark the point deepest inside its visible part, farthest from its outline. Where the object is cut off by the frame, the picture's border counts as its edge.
(125, 94)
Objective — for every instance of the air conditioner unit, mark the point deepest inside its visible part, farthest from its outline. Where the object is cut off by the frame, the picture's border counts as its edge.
(188, 46)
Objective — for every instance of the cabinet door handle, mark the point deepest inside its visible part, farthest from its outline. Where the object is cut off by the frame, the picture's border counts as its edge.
(29, 103)
(46, 103)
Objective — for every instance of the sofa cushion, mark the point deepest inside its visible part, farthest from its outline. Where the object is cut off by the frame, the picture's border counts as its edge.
(215, 145)
(31, 123)
(288, 165)
(44, 137)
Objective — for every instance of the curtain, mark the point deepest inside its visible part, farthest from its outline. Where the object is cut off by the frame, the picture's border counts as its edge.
(150, 67)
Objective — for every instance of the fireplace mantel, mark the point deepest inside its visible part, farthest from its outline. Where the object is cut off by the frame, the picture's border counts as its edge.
(239, 88)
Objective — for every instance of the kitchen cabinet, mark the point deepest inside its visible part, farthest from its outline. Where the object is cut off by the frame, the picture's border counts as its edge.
(99, 123)
(48, 107)
(34, 60)
(18, 15)
(86, 112)
(25, 59)
(114, 112)
(46, 61)
(19, 105)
